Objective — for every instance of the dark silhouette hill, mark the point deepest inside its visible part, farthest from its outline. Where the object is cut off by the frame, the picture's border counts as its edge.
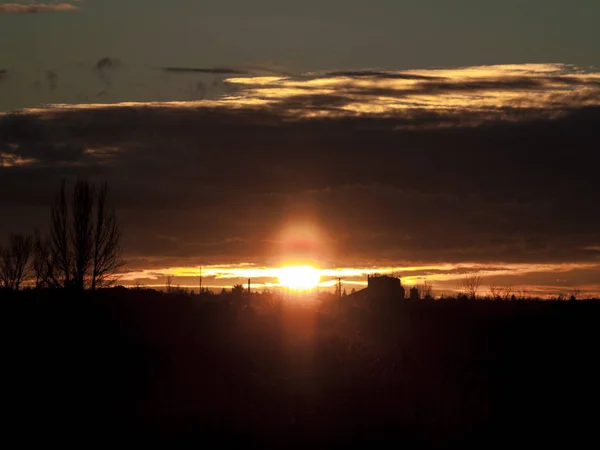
(145, 365)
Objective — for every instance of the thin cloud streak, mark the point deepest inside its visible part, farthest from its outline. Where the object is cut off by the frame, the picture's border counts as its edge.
(32, 8)
(209, 70)
(10, 160)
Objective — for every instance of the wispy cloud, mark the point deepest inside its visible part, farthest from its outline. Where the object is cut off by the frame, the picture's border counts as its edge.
(103, 68)
(248, 69)
(52, 79)
(207, 70)
(11, 160)
(35, 7)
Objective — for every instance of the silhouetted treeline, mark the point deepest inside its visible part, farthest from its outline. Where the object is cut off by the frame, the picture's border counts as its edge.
(281, 372)
(80, 250)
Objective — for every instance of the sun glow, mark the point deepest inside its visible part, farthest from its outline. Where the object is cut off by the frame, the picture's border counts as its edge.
(299, 277)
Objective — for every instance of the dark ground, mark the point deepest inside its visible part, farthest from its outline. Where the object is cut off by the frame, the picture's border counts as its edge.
(121, 365)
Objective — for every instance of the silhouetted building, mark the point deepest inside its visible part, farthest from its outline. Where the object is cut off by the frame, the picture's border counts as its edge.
(384, 286)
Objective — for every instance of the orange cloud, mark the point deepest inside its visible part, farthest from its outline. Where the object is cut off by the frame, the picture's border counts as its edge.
(10, 160)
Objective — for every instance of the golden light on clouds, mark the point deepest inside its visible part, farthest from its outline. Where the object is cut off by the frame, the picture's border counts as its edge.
(304, 277)
(481, 88)
(487, 91)
(10, 160)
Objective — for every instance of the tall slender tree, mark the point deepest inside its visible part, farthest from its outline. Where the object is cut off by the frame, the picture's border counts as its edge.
(82, 232)
(107, 237)
(59, 237)
(14, 261)
(21, 247)
(471, 283)
(43, 263)
(83, 248)
(6, 268)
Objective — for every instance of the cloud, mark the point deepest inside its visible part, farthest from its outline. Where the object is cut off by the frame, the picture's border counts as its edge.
(375, 74)
(11, 160)
(455, 178)
(103, 68)
(33, 7)
(247, 69)
(107, 63)
(207, 70)
(52, 79)
(476, 94)
(270, 68)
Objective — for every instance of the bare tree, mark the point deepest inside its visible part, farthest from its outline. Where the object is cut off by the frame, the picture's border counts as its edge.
(494, 292)
(6, 268)
(107, 238)
(84, 244)
(59, 237)
(14, 261)
(82, 232)
(471, 283)
(425, 290)
(169, 284)
(506, 292)
(42, 263)
(21, 248)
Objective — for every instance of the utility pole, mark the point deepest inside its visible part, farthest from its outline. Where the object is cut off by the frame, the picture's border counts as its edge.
(340, 288)
(200, 280)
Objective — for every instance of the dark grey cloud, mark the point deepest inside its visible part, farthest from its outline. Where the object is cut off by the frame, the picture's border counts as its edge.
(523, 191)
(104, 66)
(269, 69)
(206, 70)
(107, 63)
(217, 180)
(246, 70)
(501, 84)
(52, 79)
(376, 74)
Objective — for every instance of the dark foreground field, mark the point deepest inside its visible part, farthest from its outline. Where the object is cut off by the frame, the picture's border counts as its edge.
(122, 365)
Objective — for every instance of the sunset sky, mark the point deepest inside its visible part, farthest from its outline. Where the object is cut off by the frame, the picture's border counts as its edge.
(428, 138)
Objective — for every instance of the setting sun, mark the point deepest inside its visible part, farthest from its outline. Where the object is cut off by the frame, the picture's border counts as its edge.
(299, 277)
